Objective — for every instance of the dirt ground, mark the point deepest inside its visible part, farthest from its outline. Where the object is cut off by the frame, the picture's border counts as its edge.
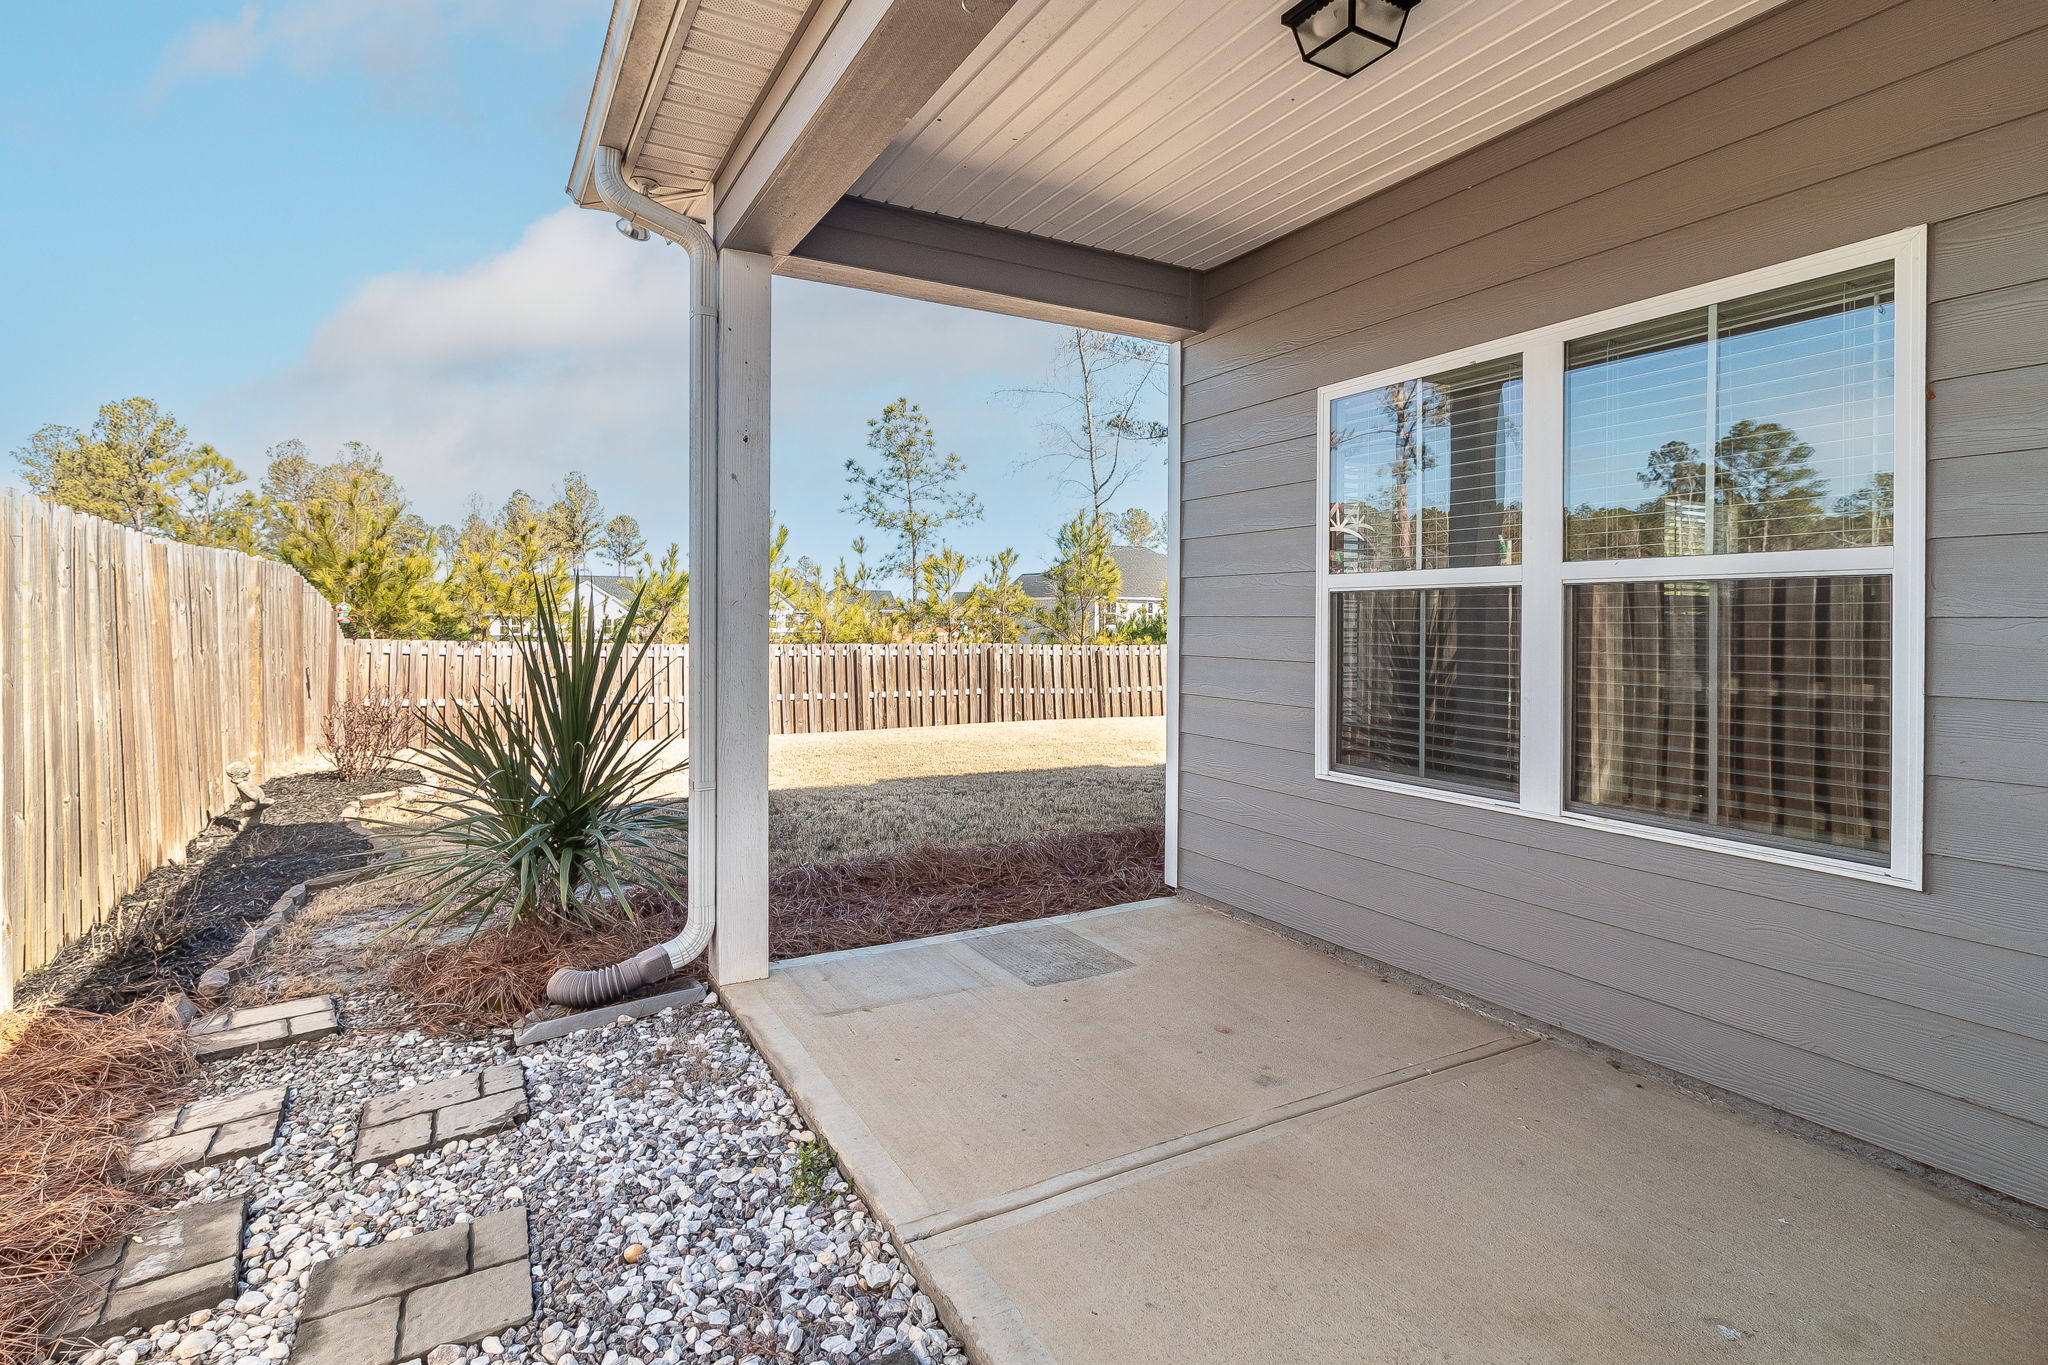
(185, 915)
(870, 792)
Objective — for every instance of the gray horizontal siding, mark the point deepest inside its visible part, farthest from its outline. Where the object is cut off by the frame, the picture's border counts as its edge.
(1989, 495)
(1917, 1020)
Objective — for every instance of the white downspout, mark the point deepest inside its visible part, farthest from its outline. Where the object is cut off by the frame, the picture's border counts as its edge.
(588, 989)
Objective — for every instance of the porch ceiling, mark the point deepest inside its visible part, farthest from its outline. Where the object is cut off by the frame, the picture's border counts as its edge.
(1178, 131)
(678, 81)
(1189, 131)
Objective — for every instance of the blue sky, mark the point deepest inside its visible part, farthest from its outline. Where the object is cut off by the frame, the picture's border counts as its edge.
(344, 219)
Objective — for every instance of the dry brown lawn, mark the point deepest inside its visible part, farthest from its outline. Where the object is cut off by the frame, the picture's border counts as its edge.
(869, 792)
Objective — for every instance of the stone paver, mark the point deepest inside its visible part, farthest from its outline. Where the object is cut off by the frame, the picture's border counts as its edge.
(468, 1309)
(353, 1336)
(423, 1116)
(208, 1132)
(177, 1264)
(400, 1299)
(231, 1033)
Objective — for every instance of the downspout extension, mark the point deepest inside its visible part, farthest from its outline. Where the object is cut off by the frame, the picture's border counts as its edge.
(588, 990)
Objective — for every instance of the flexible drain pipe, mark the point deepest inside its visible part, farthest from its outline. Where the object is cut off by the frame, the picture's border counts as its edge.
(587, 990)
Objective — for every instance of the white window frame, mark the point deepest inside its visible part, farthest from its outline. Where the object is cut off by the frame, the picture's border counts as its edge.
(1544, 574)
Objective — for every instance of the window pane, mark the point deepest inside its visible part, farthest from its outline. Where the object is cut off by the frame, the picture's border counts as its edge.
(1758, 708)
(1760, 424)
(1427, 473)
(1428, 685)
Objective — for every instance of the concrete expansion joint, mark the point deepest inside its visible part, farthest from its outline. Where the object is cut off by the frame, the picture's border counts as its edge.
(1077, 1183)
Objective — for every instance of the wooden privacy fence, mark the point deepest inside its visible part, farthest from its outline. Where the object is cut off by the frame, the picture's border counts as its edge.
(136, 670)
(811, 687)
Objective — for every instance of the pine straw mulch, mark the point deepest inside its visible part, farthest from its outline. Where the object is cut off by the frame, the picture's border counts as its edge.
(491, 979)
(71, 1085)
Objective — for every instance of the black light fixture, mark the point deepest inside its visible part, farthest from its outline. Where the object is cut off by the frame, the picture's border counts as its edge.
(1347, 36)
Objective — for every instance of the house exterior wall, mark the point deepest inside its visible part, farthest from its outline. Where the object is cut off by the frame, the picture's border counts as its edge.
(1916, 1020)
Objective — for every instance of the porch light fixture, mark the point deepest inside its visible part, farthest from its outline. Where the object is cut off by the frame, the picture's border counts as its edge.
(1347, 36)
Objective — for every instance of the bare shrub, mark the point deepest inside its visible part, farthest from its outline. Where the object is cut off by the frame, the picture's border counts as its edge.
(71, 1085)
(362, 736)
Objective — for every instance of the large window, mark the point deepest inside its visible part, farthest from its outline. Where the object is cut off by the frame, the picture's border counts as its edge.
(1655, 570)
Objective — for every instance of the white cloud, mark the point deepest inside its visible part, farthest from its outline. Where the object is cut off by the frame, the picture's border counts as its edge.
(394, 42)
(569, 351)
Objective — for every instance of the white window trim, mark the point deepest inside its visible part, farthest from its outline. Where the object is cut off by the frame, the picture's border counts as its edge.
(1543, 573)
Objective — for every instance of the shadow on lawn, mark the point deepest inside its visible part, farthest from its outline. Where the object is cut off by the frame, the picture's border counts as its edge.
(809, 825)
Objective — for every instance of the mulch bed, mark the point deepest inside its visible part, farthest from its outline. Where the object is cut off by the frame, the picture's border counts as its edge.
(495, 977)
(184, 917)
(71, 1084)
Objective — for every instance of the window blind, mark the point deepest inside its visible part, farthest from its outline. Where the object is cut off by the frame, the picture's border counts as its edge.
(1759, 708)
(1428, 685)
(1760, 424)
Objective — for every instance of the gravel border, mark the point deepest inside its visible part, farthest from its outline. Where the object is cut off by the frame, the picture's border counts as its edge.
(660, 1170)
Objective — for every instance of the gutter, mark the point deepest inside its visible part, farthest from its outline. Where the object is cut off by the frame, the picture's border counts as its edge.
(588, 989)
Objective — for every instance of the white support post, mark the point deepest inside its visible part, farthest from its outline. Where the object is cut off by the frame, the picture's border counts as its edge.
(1175, 519)
(729, 635)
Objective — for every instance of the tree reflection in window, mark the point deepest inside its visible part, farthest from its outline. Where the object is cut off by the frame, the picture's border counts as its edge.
(1795, 387)
(1427, 473)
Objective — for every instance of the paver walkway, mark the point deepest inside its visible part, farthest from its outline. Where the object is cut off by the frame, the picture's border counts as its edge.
(393, 1301)
(1156, 1135)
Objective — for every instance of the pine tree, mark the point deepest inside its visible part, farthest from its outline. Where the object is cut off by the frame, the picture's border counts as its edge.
(294, 483)
(205, 512)
(910, 492)
(1085, 582)
(574, 521)
(666, 600)
(623, 544)
(1135, 526)
(998, 612)
(938, 612)
(351, 547)
(122, 470)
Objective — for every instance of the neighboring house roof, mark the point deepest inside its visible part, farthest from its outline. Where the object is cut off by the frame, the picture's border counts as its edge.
(1144, 570)
(1144, 574)
(880, 598)
(615, 586)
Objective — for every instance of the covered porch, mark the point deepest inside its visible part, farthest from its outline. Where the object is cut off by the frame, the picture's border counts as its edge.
(1158, 1133)
(1166, 1133)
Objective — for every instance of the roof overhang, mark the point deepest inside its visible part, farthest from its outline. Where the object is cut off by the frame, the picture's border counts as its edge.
(1068, 159)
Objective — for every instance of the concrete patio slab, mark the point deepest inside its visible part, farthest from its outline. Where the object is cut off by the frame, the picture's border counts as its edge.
(1236, 1148)
(999, 1087)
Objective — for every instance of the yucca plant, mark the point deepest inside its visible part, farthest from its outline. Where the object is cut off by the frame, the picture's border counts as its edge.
(543, 807)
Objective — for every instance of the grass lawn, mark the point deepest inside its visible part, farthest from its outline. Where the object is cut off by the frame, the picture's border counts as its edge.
(870, 792)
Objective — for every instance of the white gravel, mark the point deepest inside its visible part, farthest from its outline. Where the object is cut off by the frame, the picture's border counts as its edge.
(657, 1173)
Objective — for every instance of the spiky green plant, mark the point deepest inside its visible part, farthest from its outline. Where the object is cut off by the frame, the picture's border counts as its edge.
(543, 807)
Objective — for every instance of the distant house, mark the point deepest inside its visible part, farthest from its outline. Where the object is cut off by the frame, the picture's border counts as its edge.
(607, 594)
(784, 619)
(1144, 587)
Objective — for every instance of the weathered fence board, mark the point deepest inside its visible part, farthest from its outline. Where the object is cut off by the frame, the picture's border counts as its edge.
(812, 688)
(136, 670)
